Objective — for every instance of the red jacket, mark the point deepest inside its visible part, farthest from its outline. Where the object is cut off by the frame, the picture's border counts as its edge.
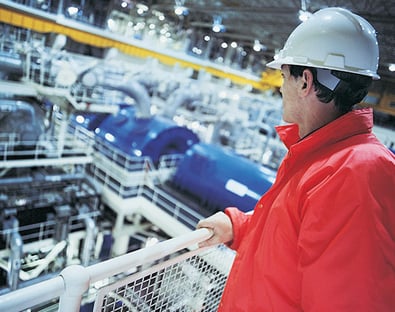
(323, 237)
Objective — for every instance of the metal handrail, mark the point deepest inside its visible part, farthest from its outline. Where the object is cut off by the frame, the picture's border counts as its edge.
(74, 280)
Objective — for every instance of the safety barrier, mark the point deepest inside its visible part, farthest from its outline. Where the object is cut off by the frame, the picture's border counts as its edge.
(173, 275)
(60, 145)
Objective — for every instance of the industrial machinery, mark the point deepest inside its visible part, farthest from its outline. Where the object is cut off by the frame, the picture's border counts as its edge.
(21, 124)
(47, 215)
(83, 145)
(101, 155)
(148, 137)
(218, 178)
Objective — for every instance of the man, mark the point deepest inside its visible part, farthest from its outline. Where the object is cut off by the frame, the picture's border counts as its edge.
(323, 237)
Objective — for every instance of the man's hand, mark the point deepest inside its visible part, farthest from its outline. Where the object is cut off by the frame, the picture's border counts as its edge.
(222, 229)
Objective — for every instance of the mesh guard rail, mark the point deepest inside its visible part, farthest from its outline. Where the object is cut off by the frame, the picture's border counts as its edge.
(199, 270)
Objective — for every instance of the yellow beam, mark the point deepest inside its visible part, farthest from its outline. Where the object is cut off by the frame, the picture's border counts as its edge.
(272, 77)
(46, 25)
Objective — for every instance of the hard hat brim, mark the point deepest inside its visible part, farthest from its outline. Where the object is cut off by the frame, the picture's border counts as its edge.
(277, 63)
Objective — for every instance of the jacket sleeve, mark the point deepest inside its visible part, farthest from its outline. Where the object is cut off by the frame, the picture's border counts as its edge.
(240, 222)
(346, 242)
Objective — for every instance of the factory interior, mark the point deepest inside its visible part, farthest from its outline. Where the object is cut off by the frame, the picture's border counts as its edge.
(125, 122)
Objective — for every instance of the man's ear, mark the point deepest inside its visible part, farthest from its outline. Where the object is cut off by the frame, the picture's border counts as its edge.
(306, 81)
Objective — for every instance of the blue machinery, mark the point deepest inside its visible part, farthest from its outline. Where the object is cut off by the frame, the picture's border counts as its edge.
(153, 137)
(215, 177)
(219, 178)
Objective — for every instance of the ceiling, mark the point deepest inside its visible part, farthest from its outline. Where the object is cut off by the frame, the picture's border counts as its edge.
(268, 21)
(271, 21)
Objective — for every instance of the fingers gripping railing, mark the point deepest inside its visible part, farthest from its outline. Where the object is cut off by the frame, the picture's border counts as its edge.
(74, 280)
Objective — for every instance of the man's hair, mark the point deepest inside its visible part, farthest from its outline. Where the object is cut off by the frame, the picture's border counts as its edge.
(350, 90)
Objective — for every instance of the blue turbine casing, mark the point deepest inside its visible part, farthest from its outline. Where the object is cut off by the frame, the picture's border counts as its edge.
(153, 137)
(220, 178)
(90, 121)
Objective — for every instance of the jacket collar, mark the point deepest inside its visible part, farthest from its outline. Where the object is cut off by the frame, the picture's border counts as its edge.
(355, 122)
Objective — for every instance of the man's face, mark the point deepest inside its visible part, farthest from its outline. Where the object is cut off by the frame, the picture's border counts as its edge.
(291, 109)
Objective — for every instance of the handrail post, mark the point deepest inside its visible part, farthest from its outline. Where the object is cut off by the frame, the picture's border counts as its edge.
(77, 280)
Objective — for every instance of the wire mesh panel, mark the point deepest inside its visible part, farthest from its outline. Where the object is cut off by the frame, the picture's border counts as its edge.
(193, 281)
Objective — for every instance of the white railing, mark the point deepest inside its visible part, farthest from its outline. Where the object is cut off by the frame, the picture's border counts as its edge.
(193, 281)
(65, 145)
(130, 177)
(74, 280)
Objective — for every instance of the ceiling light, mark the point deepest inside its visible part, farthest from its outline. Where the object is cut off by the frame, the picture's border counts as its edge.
(257, 46)
(216, 28)
(391, 67)
(181, 10)
(217, 24)
(112, 25)
(196, 50)
(141, 9)
(72, 10)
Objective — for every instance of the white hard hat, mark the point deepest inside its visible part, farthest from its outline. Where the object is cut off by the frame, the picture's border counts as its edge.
(332, 38)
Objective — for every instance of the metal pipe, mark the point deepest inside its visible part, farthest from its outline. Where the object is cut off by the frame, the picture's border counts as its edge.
(89, 240)
(136, 91)
(180, 97)
(14, 262)
(47, 178)
(62, 227)
(49, 258)
(130, 87)
(16, 180)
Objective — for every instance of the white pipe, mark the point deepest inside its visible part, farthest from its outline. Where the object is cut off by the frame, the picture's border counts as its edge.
(30, 296)
(179, 97)
(50, 257)
(14, 261)
(46, 162)
(125, 262)
(88, 241)
(76, 280)
(130, 87)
